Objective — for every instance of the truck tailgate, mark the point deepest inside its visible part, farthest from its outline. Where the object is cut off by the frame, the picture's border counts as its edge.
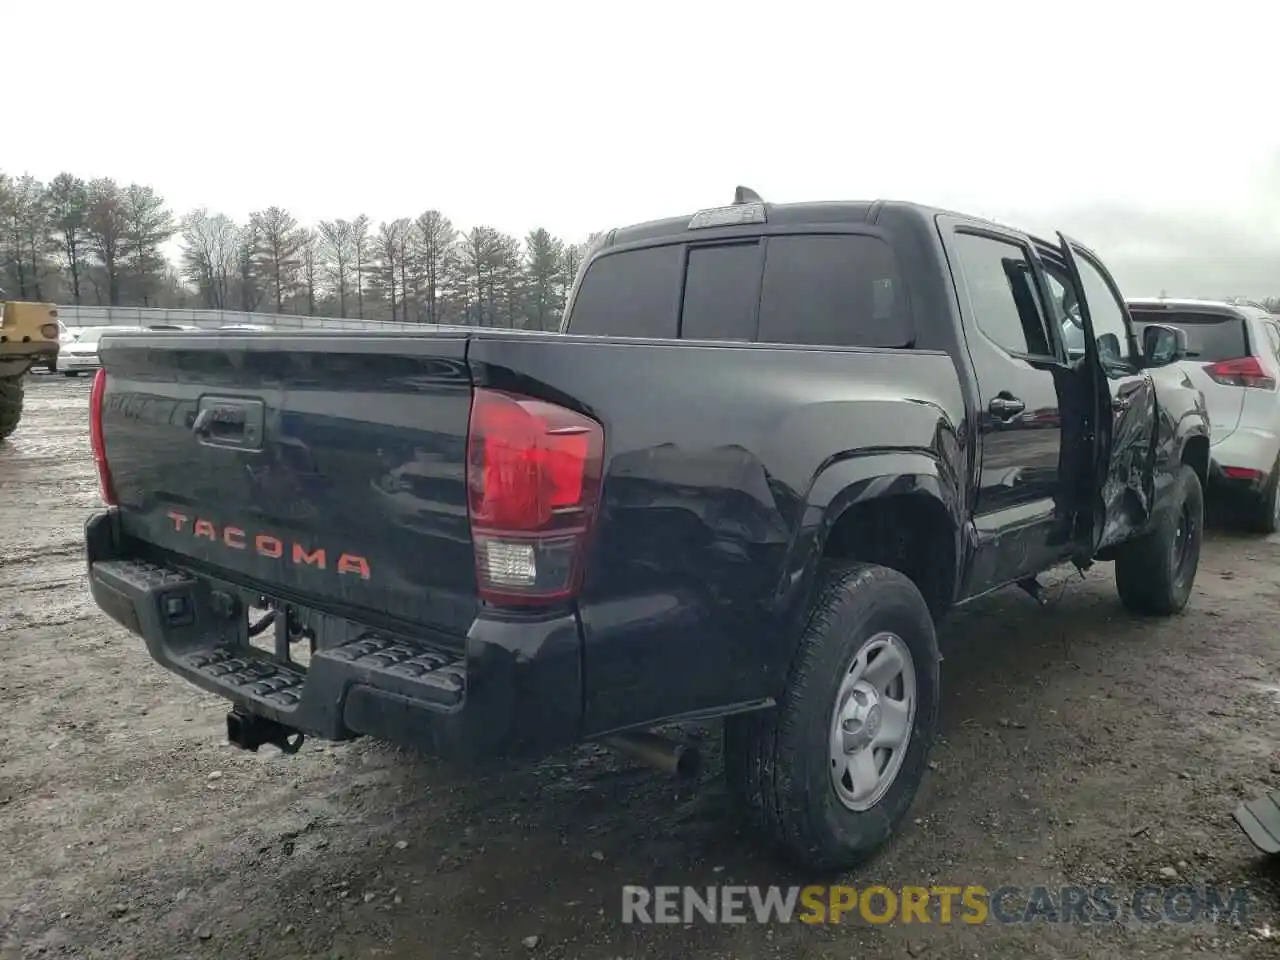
(321, 467)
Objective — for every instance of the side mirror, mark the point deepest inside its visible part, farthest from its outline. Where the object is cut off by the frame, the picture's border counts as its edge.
(1163, 345)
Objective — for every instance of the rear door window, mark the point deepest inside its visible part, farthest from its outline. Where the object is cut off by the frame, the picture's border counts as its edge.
(721, 291)
(634, 293)
(833, 290)
(1210, 337)
(998, 278)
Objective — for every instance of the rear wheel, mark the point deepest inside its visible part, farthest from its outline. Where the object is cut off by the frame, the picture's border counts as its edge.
(11, 397)
(1155, 573)
(830, 773)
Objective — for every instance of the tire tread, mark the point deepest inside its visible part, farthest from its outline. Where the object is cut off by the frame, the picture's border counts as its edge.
(1144, 577)
(763, 750)
(12, 394)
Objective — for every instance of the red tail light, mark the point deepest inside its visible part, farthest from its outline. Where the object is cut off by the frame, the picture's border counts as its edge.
(1244, 372)
(533, 483)
(96, 395)
(1242, 473)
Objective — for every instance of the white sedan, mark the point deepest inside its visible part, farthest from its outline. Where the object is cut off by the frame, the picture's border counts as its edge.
(81, 355)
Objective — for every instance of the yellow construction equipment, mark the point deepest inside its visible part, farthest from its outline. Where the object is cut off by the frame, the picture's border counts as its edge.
(28, 336)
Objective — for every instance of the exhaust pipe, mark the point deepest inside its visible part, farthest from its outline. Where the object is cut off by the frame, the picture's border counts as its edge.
(661, 753)
(249, 732)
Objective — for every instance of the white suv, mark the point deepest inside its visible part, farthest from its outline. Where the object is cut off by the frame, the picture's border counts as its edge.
(1233, 357)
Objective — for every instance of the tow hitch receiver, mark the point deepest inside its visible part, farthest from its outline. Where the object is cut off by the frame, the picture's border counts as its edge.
(249, 732)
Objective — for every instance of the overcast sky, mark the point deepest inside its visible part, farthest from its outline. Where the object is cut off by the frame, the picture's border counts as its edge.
(1146, 131)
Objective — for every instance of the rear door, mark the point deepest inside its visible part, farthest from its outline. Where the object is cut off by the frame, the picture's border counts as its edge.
(1212, 337)
(1022, 512)
(1124, 447)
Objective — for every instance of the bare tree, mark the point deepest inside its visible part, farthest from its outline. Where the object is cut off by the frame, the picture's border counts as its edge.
(12, 264)
(435, 240)
(389, 266)
(210, 249)
(309, 254)
(361, 247)
(106, 225)
(337, 252)
(37, 232)
(250, 289)
(96, 240)
(68, 210)
(25, 235)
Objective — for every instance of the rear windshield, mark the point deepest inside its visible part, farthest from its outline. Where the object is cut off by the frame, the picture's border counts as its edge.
(1210, 337)
(631, 294)
(812, 289)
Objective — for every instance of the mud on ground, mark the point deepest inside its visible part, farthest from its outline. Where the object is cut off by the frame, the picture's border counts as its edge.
(1080, 746)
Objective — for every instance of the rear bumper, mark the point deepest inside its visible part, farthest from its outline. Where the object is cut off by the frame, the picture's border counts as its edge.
(34, 349)
(77, 361)
(510, 688)
(1242, 461)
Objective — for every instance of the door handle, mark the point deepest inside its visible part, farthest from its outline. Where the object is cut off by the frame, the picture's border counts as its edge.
(229, 422)
(1004, 406)
(1120, 404)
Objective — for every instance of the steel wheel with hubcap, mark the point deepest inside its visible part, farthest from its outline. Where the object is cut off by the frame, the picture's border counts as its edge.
(831, 771)
(871, 724)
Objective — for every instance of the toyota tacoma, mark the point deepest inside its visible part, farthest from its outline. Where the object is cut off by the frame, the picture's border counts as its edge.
(770, 448)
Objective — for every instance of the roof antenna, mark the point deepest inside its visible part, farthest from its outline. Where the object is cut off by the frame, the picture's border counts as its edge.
(746, 195)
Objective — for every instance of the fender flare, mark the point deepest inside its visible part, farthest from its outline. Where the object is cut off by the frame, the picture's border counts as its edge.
(864, 477)
(1189, 429)
(1192, 425)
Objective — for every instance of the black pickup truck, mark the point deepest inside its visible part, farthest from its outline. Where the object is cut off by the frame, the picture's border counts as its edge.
(771, 447)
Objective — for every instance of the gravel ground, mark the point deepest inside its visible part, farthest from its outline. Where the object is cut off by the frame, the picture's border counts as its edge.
(1080, 746)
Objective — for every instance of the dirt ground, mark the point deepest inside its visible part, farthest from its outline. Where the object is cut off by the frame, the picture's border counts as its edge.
(1080, 746)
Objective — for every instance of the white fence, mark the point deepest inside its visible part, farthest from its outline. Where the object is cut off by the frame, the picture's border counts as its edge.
(83, 316)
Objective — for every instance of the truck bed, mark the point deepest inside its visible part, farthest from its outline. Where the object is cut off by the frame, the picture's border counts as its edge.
(330, 471)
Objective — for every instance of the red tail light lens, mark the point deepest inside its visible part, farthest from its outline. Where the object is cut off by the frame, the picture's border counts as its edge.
(533, 486)
(1244, 372)
(96, 397)
(1242, 473)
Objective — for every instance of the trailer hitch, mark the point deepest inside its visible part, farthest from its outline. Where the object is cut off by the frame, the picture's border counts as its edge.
(249, 732)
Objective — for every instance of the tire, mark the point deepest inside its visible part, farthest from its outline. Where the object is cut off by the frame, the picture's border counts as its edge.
(1264, 515)
(1155, 573)
(11, 397)
(779, 763)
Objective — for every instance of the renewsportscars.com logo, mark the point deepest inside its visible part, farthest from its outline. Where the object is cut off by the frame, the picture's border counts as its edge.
(935, 904)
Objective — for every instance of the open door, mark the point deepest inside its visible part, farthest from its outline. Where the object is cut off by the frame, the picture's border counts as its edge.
(1120, 410)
